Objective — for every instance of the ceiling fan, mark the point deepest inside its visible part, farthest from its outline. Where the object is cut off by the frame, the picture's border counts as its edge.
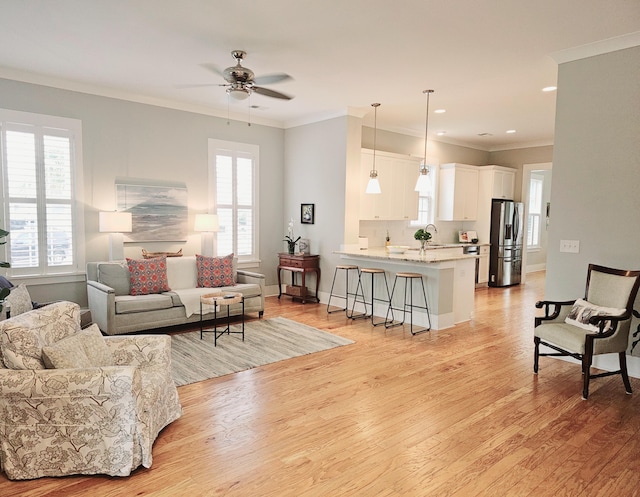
(241, 82)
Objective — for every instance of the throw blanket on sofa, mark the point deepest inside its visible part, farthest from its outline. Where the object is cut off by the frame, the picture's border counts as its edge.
(190, 298)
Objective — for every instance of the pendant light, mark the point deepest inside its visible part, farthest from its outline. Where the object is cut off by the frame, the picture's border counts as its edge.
(374, 185)
(424, 184)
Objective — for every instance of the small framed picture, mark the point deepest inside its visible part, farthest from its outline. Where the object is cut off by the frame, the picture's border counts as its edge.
(307, 213)
(304, 247)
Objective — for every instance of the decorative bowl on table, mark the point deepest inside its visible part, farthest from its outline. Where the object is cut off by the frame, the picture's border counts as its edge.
(397, 249)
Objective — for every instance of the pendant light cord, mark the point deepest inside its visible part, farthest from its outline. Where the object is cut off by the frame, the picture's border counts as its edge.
(375, 131)
(426, 127)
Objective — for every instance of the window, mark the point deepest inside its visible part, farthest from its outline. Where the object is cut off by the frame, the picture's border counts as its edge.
(41, 171)
(535, 212)
(233, 172)
(426, 202)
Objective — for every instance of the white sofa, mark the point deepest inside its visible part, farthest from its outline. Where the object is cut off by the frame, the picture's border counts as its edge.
(117, 312)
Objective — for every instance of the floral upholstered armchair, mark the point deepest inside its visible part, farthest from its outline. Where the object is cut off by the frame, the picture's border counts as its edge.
(75, 402)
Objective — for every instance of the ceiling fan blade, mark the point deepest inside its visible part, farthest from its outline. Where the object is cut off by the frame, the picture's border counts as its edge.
(213, 68)
(182, 87)
(269, 79)
(270, 93)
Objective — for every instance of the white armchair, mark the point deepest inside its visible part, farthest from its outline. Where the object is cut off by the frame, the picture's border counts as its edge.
(85, 420)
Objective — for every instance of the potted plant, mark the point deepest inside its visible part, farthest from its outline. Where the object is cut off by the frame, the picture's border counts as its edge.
(3, 291)
(291, 243)
(423, 236)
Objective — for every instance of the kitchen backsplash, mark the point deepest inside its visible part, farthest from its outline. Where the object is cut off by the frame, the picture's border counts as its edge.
(402, 234)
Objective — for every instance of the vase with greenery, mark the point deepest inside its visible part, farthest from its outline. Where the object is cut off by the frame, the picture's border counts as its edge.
(3, 291)
(423, 236)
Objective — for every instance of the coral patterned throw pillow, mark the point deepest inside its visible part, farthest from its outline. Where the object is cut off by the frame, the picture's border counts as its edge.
(148, 275)
(215, 271)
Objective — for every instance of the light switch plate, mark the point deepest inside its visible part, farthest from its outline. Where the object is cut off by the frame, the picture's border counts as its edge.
(570, 246)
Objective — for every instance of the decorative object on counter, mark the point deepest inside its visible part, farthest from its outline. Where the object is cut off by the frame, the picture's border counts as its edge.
(152, 255)
(468, 236)
(291, 243)
(374, 185)
(423, 184)
(363, 242)
(307, 213)
(387, 240)
(423, 236)
(397, 249)
(304, 247)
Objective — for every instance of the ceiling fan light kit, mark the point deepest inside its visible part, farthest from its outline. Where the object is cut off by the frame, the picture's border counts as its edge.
(423, 184)
(373, 186)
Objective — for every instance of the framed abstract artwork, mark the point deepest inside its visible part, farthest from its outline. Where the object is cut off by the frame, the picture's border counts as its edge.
(158, 213)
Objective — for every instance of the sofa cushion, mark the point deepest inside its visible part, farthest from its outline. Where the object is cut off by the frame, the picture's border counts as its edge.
(85, 349)
(126, 304)
(182, 272)
(215, 271)
(148, 275)
(115, 275)
(23, 337)
(19, 300)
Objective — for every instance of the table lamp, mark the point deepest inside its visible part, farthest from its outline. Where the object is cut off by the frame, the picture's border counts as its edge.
(115, 223)
(207, 224)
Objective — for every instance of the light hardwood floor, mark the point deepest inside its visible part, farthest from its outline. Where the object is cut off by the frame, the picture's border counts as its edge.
(451, 412)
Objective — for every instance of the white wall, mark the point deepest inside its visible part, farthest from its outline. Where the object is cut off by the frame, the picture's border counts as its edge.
(596, 171)
(126, 139)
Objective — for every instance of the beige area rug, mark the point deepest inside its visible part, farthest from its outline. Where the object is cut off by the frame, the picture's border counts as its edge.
(265, 341)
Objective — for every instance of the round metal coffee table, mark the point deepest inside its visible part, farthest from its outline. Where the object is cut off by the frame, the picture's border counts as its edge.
(221, 299)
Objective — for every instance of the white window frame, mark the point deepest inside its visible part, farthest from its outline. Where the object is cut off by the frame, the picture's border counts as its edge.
(57, 126)
(536, 191)
(430, 216)
(237, 149)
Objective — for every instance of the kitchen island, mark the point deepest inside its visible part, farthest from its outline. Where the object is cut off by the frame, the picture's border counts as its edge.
(449, 280)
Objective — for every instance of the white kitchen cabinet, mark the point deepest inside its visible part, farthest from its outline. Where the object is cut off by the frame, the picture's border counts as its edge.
(458, 192)
(494, 182)
(483, 265)
(397, 175)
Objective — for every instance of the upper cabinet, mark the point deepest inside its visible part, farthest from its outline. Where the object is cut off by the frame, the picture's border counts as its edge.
(495, 182)
(458, 192)
(397, 175)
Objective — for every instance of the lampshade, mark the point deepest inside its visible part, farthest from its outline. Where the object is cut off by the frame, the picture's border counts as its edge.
(373, 186)
(207, 222)
(423, 183)
(115, 222)
(238, 93)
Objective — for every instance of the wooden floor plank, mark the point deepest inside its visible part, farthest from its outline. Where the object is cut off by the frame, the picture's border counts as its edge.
(450, 412)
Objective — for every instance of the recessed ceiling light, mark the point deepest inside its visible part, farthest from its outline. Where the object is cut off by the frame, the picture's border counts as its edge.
(550, 88)
(440, 133)
(440, 111)
(510, 131)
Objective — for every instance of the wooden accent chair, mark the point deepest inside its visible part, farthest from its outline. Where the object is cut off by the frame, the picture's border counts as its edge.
(599, 324)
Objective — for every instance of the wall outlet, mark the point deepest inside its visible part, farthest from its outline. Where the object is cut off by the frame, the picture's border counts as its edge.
(571, 246)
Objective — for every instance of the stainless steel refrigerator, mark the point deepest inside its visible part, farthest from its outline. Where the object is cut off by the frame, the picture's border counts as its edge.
(505, 255)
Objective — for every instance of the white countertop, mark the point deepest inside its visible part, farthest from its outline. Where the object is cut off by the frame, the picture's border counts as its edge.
(433, 254)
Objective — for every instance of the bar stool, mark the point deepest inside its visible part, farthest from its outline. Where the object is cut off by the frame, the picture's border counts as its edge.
(346, 268)
(408, 278)
(360, 297)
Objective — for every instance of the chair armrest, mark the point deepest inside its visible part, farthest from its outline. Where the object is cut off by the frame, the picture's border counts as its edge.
(552, 310)
(144, 351)
(250, 277)
(102, 305)
(608, 324)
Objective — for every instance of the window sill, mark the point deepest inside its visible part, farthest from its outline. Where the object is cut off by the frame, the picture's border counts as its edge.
(48, 279)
